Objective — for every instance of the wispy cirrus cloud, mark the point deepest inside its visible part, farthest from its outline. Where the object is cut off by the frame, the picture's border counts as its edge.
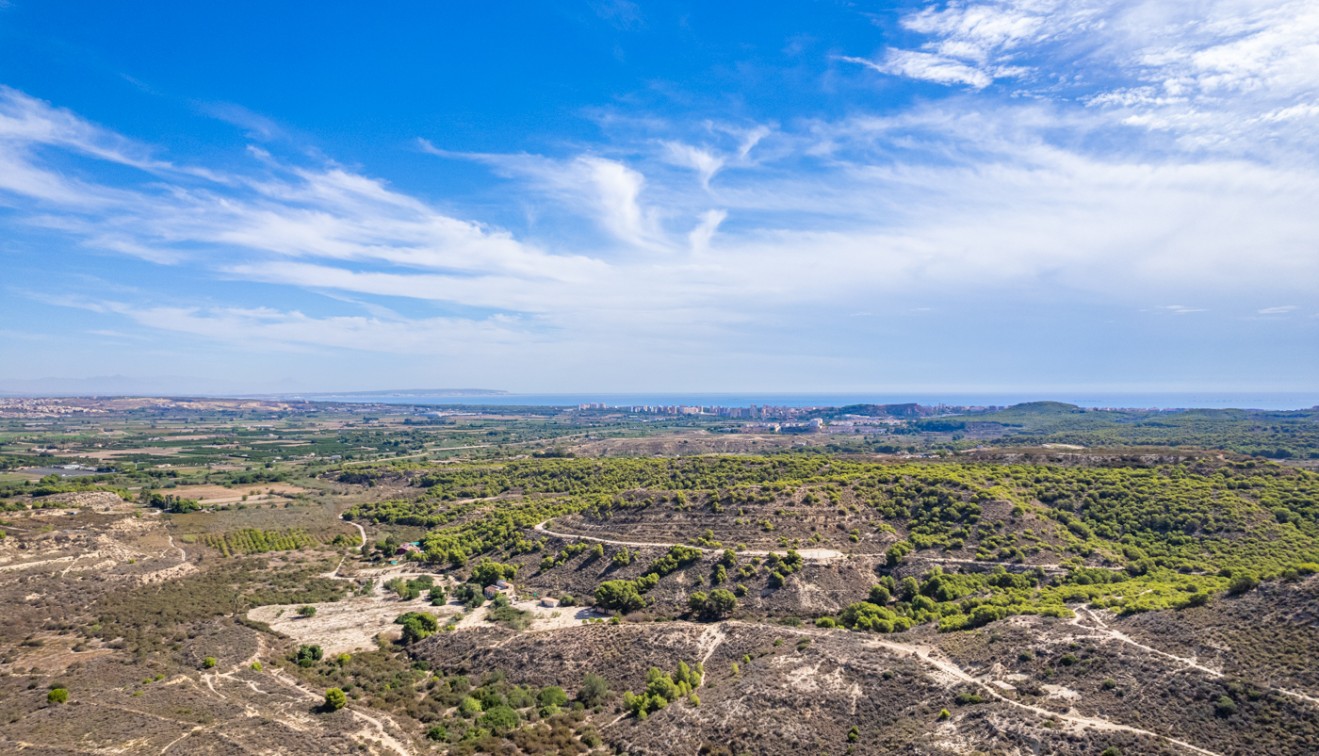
(861, 220)
(674, 234)
(1181, 309)
(928, 66)
(1234, 75)
(977, 43)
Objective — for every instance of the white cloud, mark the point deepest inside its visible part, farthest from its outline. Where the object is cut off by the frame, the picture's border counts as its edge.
(616, 189)
(704, 162)
(976, 43)
(1181, 309)
(700, 237)
(255, 125)
(928, 66)
(1280, 310)
(1223, 75)
(865, 214)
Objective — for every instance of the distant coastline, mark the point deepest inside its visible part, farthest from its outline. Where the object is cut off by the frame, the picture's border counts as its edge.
(1186, 400)
(478, 397)
(401, 393)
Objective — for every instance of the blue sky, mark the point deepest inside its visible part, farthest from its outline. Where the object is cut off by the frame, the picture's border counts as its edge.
(1016, 195)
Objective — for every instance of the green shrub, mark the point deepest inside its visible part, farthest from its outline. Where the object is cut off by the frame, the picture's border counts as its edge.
(499, 719)
(619, 595)
(717, 605)
(1225, 706)
(594, 690)
(1242, 584)
(552, 696)
(335, 699)
(417, 626)
(308, 655)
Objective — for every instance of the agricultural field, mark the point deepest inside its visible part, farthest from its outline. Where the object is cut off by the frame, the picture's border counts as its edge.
(202, 577)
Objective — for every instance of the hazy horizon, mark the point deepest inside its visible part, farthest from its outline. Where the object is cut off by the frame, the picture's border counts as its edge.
(477, 396)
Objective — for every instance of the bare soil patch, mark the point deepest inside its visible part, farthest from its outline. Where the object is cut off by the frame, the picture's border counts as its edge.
(212, 494)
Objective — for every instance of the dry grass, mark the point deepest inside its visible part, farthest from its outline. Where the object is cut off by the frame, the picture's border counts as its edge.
(209, 495)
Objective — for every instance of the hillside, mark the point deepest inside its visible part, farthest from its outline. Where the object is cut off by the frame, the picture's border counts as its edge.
(205, 578)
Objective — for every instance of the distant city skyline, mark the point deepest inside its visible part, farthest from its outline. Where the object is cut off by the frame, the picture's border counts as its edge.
(1030, 197)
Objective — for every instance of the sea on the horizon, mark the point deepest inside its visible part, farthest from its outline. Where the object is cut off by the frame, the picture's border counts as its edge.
(1189, 400)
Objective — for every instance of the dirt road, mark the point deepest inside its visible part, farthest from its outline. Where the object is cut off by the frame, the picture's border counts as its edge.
(810, 555)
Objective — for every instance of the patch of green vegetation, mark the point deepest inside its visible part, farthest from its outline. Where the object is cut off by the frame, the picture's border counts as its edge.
(1133, 538)
(1273, 434)
(417, 626)
(411, 588)
(663, 689)
(253, 541)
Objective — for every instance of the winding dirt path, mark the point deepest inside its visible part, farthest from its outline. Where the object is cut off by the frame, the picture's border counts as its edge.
(1107, 632)
(376, 729)
(934, 658)
(810, 555)
(986, 563)
(360, 549)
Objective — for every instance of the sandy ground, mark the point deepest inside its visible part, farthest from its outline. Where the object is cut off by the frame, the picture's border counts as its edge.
(355, 623)
(211, 494)
(346, 626)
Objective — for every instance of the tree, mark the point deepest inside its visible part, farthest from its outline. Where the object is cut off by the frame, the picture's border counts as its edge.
(308, 655)
(720, 575)
(718, 604)
(696, 602)
(335, 699)
(209, 662)
(594, 690)
(57, 695)
(909, 588)
(1242, 584)
(619, 595)
(470, 594)
(306, 611)
(660, 685)
(489, 572)
(417, 626)
(469, 707)
(552, 696)
(499, 719)
(896, 553)
(879, 595)
(1225, 706)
